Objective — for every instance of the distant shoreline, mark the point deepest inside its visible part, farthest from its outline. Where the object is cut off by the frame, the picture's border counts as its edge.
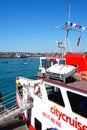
(29, 55)
(19, 57)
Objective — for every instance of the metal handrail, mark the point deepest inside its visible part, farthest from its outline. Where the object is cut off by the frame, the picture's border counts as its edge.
(12, 111)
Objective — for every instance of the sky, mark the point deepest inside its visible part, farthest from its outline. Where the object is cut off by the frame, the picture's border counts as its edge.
(27, 25)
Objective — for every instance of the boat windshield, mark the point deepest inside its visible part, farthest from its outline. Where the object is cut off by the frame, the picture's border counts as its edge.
(62, 62)
(46, 63)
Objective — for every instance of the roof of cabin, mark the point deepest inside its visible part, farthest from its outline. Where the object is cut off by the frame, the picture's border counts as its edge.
(79, 85)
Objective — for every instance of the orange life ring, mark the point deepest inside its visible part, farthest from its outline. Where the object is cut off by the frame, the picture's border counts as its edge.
(84, 72)
(84, 77)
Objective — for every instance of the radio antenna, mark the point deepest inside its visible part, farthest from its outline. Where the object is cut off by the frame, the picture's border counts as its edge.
(69, 11)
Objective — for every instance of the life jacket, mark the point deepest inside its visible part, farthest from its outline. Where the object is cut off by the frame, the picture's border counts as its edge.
(18, 83)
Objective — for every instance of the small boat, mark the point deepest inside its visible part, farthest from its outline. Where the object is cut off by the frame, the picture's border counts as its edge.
(5, 62)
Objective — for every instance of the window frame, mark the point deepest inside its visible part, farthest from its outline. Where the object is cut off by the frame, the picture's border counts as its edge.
(78, 103)
(54, 94)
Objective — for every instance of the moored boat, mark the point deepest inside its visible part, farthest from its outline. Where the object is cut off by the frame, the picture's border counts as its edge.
(59, 94)
(57, 99)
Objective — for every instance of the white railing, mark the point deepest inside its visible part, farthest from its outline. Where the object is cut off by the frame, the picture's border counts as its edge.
(7, 113)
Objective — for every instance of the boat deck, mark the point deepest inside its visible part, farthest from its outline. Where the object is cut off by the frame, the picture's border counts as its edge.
(79, 84)
(71, 82)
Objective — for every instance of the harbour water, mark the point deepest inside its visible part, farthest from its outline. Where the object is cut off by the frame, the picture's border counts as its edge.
(10, 68)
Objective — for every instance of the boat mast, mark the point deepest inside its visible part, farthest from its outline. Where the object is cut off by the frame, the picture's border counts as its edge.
(67, 28)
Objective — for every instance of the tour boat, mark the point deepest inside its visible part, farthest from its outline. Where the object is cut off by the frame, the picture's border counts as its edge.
(61, 100)
(57, 98)
(59, 93)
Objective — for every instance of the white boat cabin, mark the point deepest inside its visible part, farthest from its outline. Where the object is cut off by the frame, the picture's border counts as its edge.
(57, 106)
(56, 68)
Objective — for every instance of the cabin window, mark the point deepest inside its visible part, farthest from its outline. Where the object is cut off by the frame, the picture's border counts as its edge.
(78, 103)
(54, 94)
(43, 63)
(38, 124)
(61, 62)
(29, 115)
(46, 63)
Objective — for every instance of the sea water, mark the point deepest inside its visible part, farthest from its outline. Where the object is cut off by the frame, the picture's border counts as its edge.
(10, 68)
